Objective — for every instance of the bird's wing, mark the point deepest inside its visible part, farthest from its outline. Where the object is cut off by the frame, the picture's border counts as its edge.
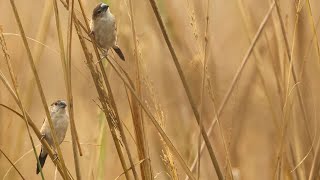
(115, 28)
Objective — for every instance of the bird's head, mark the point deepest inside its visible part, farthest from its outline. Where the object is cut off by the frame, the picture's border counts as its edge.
(100, 10)
(58, 106)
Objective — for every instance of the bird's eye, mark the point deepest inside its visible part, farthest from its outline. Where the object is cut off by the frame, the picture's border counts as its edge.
(55, 103)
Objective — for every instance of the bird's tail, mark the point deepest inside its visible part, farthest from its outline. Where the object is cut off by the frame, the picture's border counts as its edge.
(119, 52)
(42, 159)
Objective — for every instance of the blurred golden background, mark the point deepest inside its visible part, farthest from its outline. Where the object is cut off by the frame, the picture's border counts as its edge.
(268, 124)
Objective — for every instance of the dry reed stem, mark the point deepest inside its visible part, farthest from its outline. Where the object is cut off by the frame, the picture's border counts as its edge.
(314, 29)
(167, 156)
(95, 76)
(205, 60)
(137, 115)
(206, 39)
(33, 126)
(12, 163)
(122, 134)
(112, 101)
(141, 161)
(113, 104)
(305, 157)
(155, 123)
(315, 163)
(15, 88)
(295, 79)
(237, 75)
(38, 49)
(287, 108)
(301, 172)
(285, 119)
(74, 134)
(43, 99)
(66, 6)
(101, 92)
(229, 166)
(182, 77)
(18, 160)
(66, 66)
(259, 57)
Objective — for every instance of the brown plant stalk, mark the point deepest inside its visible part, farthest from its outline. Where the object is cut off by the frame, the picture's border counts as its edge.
(137, 115)
(236, 77)
(184, 82)
(32, 125)
(102, 95)
(39, 86)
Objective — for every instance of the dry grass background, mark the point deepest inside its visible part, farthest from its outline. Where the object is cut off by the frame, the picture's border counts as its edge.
(266, 132)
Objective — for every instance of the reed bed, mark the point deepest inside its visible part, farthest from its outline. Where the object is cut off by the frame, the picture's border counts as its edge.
(209, 90)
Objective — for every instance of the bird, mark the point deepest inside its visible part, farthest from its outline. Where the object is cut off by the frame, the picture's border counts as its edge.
(60, 120)
(103, 28)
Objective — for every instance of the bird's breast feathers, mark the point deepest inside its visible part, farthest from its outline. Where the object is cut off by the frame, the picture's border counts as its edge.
(60, 123)
(104, 30)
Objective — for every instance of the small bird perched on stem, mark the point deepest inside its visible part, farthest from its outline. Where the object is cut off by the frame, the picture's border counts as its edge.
(103, 27)
(60, 120)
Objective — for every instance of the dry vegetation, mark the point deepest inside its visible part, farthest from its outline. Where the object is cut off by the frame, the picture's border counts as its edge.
(245, 70)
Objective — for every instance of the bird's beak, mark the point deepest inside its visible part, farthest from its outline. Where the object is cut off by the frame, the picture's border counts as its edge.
(104, 7)
(63, 104)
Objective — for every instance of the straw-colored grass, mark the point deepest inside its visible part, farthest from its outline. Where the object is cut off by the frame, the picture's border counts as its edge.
(249, 67)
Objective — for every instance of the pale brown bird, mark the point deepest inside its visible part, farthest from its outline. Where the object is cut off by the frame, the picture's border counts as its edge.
(60, 120)
(103, 27)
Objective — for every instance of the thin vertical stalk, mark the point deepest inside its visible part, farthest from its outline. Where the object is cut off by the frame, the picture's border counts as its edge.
(155, 123)
(99, 87)
(287, 107)
(65, 69)
(74, 134)
(315, 162)
(15, 88)
(294, 75)
(143, 150)
(113, 104)
(184, 82)
(14, 165)
(43, 99)
(236, 77)
(102, 95)
(32, 125)
(205, 61)
(38, 49)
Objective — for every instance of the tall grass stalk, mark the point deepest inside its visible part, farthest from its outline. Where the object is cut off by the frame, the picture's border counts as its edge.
(235, 78)
(66, 66)
(74, 134)
(138, 121)
(12, 164)
(99, 87)
(186, 88)
(288, 102)
(294, 75)
(155, 123)
(43, 99)
(15, 88)
(102, 94)
(315, 163)
(203, 82)
(112, 101)
(30, 122)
